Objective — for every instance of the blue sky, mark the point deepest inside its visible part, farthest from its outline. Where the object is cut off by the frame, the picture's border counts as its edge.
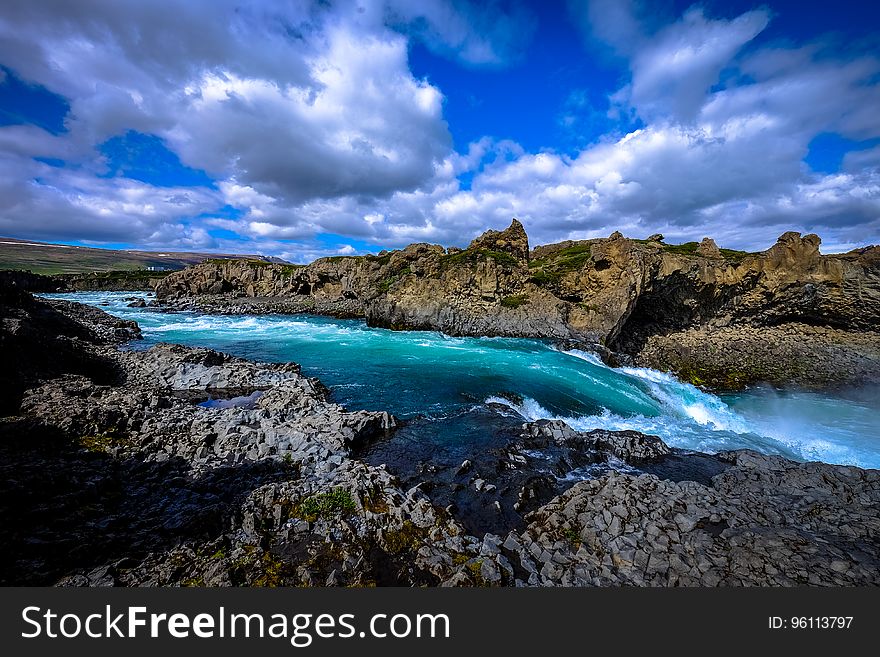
(304, 130)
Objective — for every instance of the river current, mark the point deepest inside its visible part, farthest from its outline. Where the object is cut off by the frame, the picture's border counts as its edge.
(456, 391)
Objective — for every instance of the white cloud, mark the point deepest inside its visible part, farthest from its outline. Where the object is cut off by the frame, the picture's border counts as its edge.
(312, 122)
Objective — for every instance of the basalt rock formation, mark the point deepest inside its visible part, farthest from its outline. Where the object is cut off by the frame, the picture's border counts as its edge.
(788, 315)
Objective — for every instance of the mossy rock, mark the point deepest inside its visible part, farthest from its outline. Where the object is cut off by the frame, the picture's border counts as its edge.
(472, 256)
(515, 301)
(325, 505)
(408, 538)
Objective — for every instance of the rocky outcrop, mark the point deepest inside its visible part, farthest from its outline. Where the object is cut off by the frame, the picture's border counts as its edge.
(628, 295)
(46, 339)
(765, 521)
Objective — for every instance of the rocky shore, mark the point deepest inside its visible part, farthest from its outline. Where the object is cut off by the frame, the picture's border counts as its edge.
(788, 316)
(178, 466)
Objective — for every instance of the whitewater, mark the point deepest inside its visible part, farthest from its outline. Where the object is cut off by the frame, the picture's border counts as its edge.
(450, 388)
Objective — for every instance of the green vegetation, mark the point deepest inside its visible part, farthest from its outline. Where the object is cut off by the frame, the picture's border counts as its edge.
(129, 275)
(545, 278)
(101, 442)
(408, 538)
(712, 379)
(572, 536)
(471, 256)
(382, 260)
(373, 500)
(515, 301)
(690, 249)
(325, 505)
(51, 259)
(339, 257)
(387, 283)
(272, 572)
(551, 269)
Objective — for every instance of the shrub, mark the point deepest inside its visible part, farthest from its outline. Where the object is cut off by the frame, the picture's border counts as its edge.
(324, 505)
(514, 301)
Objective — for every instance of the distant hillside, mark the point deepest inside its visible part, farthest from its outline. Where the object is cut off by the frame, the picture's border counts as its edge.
(42, 258)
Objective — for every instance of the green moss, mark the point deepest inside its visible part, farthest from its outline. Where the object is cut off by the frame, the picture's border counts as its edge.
(193, 582)
(325, 505)
(272, 572)
(713, 379)
(572, 536)
(543, 277)
(101, 442)
(515, 301)
(549, 271)
(382, 260)
(374, 501)
(390, 281)
(408, 538)
(471, 256)
(690, 249)
(460, 559)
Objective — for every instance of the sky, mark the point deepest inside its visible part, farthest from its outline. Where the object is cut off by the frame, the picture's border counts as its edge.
(304, 129)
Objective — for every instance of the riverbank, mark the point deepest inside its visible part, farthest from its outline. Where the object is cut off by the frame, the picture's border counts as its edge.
(788, 316)
(116, 474)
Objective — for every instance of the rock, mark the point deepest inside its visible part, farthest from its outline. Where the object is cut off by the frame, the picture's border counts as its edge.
(656, 237)
(753, 527)
(513, 240)
(624, 294)
(137, 303)
(708, 249)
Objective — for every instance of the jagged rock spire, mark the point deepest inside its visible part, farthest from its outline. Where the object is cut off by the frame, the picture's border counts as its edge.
(512, 240)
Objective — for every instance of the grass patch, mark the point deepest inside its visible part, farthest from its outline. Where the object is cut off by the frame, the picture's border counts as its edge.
(408, 538)
(325, 505)
(101, 442)
(572, 536)
(382, 260)
(120, 275)
(690, 249)
(550, 270)
(272, 572)
(471, 256)
(543, 277)
(515, 301)
(389, 282)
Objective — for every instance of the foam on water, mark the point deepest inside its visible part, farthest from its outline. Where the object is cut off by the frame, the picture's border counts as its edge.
(448, 380)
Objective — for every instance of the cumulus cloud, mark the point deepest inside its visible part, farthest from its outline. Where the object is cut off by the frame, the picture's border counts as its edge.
(310, 120)
(289, 105)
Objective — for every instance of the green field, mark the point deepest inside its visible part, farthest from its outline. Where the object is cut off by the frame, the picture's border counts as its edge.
(61, 259)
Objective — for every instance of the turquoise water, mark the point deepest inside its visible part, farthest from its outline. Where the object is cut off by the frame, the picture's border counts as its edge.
(454, 389)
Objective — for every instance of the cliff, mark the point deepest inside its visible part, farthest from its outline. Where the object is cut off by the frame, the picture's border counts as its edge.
(806, 318)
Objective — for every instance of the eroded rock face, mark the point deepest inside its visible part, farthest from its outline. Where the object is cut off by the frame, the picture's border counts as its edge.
(617, 292)
(513, 240)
